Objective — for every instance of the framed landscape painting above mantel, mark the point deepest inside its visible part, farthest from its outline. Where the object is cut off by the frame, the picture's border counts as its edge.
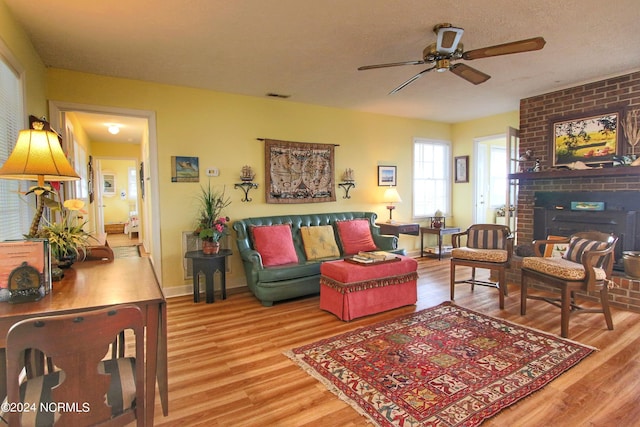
(591, 138)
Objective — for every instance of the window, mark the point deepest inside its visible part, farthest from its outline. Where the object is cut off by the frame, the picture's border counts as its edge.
(14, 211)
(431, 177)
(133, 183)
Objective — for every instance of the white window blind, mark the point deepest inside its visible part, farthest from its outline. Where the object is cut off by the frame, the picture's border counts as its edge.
(13, 210)
(431, 177)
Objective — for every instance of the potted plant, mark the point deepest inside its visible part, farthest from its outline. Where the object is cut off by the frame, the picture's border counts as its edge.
(211, 224)
(66, 236)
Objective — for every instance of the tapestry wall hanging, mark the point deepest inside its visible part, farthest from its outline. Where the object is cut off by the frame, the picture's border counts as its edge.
(298, 172)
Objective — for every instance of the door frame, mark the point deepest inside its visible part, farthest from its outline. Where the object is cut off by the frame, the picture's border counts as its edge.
(152, 230)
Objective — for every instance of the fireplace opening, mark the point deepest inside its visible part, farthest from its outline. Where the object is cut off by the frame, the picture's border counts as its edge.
(560, 213)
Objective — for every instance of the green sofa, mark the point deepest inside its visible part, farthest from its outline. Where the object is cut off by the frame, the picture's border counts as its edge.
(282, 282)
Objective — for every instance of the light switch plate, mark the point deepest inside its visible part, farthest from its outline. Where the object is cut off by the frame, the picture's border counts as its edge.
(213, 172)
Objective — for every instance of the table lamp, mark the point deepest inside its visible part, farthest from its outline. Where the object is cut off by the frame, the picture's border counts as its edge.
(38, 156)
(390, 197)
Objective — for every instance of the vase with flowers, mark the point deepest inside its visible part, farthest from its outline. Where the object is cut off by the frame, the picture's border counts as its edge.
(65, 232)
(212, 225)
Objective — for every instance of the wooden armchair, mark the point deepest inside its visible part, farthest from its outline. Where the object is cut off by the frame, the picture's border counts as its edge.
(488, 246)
(586, 266)
(92, 388)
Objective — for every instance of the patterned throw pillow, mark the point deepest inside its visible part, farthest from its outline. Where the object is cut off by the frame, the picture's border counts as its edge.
(274, 243)
(578, 245)
(486, 239)
(319, 242)
(355, 236)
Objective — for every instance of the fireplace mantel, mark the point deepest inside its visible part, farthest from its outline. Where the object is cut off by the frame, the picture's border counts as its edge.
(582, 173)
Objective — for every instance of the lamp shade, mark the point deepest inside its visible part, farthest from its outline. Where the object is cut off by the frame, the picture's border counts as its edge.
(38, 156)
(391, 196)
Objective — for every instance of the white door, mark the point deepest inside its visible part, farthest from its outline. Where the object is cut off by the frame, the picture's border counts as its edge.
(481, 187)
(490, 178)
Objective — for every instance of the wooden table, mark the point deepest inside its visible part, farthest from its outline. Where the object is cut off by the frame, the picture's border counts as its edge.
(208, 265)
(92, 285)
(438, 232)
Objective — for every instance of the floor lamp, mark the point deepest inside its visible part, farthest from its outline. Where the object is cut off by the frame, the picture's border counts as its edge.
(38, 156)
(390, 197)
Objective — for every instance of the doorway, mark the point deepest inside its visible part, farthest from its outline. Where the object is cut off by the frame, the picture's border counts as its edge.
(490, 177)
(148, 206)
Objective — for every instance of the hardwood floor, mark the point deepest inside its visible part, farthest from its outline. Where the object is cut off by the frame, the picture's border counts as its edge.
(226, 366)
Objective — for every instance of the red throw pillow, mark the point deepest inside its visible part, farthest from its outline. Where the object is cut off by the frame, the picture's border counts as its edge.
(355, 236)
(275, 244)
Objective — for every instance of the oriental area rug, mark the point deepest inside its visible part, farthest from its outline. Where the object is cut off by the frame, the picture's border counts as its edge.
(443, 366)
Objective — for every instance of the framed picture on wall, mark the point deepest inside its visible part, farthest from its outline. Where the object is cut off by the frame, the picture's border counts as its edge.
(591, 138)
(387, 176)
(108, 184)
(461, 168)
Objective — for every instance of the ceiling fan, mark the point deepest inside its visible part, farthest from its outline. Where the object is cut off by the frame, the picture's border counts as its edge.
(448, 48)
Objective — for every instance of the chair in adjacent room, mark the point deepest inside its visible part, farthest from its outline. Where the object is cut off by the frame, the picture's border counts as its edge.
(487, 246)
(92, 387)
(586, 266)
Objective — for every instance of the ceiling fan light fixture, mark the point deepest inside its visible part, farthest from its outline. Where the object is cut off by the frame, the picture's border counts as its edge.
(443, 65)
(448, 37)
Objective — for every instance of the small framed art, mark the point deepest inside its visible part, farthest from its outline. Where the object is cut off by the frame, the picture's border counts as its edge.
(387, 176)
(461, 168)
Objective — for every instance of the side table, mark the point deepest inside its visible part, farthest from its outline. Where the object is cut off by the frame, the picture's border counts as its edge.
(208, 264)
(397, 228)
(438, 232)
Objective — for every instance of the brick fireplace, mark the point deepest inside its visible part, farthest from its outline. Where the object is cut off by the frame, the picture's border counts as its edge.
(536, 114)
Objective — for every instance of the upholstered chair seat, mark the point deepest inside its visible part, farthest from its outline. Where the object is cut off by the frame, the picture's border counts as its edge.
(488, 255)
(484, 246)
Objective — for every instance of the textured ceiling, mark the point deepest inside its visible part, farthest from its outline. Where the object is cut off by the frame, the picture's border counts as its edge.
(311, 49)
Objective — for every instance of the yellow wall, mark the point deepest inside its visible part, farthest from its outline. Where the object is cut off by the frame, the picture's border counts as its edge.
(222, 130)
(22, 49)
(463, 134)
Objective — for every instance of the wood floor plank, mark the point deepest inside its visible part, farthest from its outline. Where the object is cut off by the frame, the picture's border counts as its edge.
(227, 367)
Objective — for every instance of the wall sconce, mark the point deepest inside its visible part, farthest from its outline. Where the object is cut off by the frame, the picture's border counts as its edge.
(348, 182)
(38, 156)
(390, 197)
(246, 176)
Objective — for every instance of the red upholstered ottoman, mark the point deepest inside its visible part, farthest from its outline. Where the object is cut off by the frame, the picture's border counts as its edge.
(350, 290)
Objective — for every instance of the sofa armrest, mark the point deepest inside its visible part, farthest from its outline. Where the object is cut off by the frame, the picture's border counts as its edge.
(385, 242)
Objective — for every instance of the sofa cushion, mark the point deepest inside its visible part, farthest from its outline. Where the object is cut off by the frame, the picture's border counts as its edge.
(319, 242)
(281, 273)
(577, 246)
(355, 236)
(274, 243)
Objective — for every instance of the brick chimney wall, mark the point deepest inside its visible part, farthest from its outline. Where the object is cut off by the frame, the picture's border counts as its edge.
(536, 113)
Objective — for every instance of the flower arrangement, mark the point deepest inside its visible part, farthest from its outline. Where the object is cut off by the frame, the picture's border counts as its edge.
(66, 236)
(216, 230)
(212, 225)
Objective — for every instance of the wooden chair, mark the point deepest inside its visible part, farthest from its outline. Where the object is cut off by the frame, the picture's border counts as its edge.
(586, 266)
(488, 246)
(86, 387)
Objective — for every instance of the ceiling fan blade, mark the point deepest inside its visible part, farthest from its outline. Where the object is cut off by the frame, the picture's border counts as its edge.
(392, 64)
(470, 74)
(448, 38)
(411, 80)
(527, 45)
